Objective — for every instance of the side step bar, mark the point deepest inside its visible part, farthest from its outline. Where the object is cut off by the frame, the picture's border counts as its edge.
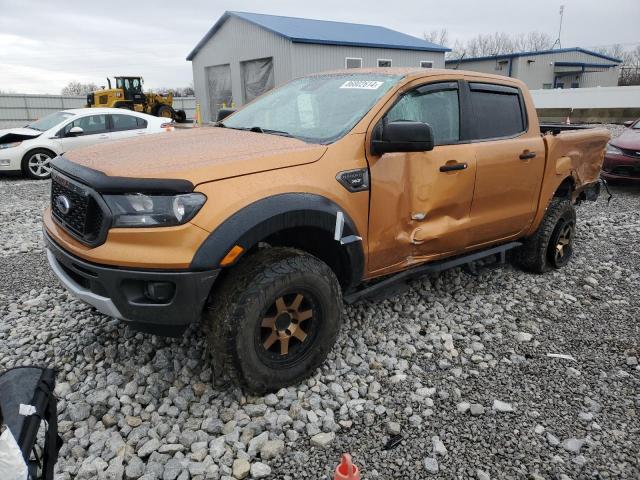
(431, 267)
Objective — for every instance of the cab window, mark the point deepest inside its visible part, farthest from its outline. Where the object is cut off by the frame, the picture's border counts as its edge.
(437, 105)
(498, 110)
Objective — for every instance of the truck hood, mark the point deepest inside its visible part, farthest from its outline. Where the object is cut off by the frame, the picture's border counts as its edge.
(629, 140)
(198, 155)
(8, 135)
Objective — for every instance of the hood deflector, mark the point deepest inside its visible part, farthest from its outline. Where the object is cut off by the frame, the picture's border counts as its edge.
(102, 183)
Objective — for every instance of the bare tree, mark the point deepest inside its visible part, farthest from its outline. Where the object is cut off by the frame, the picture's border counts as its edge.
(630, 66)
(177, 92)
(76, 89)
(439, 37)
(615, 51)
(532, 42)
(499, 43)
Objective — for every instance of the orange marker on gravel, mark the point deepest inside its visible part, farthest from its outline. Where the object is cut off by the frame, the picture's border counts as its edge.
(346, 470)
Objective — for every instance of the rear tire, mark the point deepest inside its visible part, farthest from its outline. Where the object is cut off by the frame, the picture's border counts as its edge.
(276, 316)
(181, 116)
(551, 246)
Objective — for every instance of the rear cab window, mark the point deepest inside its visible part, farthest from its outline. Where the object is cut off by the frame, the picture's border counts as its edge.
(498, 111)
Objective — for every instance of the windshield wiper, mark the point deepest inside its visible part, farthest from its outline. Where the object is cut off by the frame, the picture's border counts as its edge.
(256, 129)
(269, 131)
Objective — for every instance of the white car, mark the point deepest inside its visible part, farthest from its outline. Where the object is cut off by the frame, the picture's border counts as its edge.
(30, 149)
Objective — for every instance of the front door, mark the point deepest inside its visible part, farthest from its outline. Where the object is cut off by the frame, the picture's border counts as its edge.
(94, 130)
(420, 201)
(510, 163)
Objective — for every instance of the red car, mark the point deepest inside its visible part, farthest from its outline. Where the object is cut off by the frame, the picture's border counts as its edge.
(622, 158)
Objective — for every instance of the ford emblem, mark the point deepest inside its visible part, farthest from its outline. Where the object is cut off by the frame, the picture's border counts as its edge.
(63, 204)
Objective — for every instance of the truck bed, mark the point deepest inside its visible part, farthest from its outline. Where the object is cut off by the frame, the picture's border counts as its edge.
(578, 149)
(557, 128)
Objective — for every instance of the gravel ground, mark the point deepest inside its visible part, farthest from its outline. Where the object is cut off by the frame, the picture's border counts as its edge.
(461, 369)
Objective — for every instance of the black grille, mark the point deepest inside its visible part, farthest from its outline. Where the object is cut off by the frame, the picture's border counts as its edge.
(84, 218)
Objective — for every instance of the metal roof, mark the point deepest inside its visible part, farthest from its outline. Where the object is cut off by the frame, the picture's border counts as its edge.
(529, 54)
(323, 32)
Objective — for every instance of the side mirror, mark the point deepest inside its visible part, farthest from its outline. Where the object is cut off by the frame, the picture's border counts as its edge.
(75, 131)
(628, 123)
(403, 136)
(224, 113)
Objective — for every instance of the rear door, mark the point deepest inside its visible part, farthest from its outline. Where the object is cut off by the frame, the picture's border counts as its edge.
(510, 157)
(420, 201)
(124, 125)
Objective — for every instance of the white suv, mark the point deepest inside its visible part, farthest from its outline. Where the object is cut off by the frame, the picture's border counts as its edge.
(30, 149)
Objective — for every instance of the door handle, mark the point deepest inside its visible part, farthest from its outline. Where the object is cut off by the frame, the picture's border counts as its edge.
(450, 167)
(103, 136)
(527, 155)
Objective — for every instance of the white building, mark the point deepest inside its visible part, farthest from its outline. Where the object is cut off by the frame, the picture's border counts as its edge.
(560, 68)
(245, 54)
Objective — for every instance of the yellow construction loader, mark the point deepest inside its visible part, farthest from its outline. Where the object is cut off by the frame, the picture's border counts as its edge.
(128, 94)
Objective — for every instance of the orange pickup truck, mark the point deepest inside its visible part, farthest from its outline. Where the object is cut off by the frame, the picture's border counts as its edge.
(334, 186)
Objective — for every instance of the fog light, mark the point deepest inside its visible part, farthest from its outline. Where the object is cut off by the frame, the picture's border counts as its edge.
(4, 162)
(159, 291)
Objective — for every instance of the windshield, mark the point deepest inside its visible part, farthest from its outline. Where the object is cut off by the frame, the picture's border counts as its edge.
(318, 109)
(50, 121)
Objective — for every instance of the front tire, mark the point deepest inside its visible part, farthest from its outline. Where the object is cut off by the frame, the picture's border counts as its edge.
(276, 316)
(551, 246)
(36, 164)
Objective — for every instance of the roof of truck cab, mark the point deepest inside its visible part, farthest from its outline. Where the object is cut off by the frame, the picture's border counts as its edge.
(416, 72)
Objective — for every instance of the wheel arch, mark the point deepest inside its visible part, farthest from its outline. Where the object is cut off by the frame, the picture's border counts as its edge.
(300, 220)
(566, 188)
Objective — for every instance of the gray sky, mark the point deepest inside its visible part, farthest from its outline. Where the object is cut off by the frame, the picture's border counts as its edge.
(44, 44)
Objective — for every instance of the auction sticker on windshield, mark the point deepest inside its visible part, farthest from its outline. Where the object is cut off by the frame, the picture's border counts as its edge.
(362, 84)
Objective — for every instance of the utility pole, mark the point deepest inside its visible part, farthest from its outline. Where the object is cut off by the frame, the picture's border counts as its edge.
(557, 42)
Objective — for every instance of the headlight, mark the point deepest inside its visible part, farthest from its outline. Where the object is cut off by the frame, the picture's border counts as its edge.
(9, 145)
(612, 149)
(139, 210)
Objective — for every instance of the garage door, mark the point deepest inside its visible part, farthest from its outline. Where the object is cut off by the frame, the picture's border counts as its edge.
(257, 77)
(219, 85)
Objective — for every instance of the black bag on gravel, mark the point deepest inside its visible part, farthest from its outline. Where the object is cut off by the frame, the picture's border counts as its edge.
(26, 399)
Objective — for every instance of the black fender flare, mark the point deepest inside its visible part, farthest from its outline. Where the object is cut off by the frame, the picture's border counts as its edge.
(267, 216)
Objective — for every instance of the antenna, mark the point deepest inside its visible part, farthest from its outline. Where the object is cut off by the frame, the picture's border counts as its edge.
(557, 42)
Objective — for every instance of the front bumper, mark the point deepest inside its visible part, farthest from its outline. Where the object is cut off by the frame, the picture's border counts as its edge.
(129, 294)
(10, 159)
(620, 167)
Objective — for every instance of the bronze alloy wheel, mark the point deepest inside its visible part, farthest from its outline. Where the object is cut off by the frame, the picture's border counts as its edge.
(287, 329)
(276, 316)
(561, 245)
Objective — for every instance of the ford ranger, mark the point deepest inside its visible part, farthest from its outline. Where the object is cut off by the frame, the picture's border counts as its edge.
(331, 187)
